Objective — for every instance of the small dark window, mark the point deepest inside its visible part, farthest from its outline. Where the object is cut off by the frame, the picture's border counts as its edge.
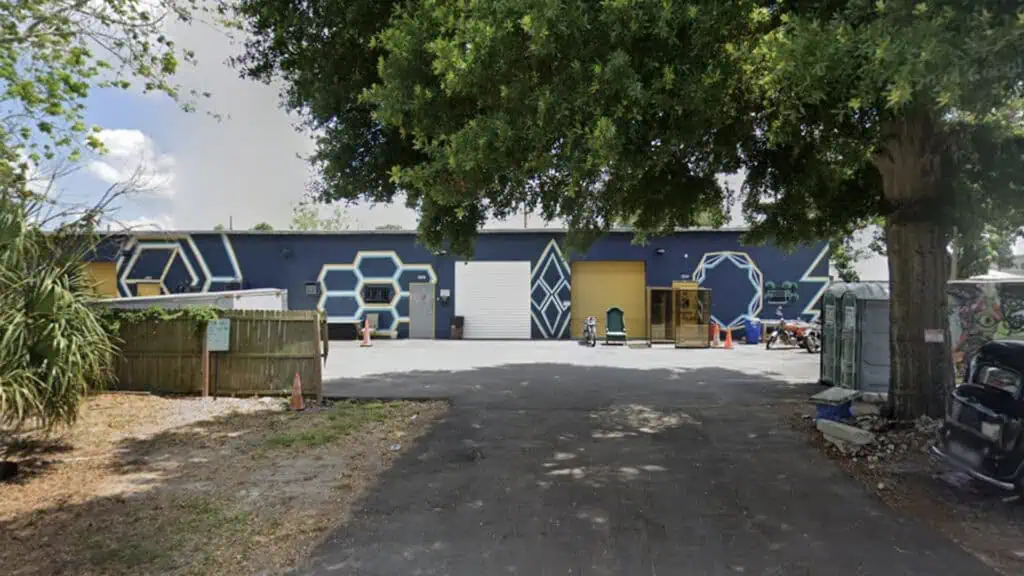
(783, 296)
(378, 293)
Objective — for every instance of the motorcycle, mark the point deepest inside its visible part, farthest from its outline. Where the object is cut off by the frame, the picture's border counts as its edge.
(812, 338)
(590, 332)
(785, 333)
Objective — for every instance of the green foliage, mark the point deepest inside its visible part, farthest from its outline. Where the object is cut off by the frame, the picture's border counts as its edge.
(306, 217)
(53, 347)
(53, 53)
(113, 318)
(341, 420)
(844, 259)
(389, 227)
(599, 111)
(583, 111)
(984, 250)
(847, 88)
(263, 227)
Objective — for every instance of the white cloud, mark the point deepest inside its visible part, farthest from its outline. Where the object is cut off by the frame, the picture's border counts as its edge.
(131, 156)
(160, 222)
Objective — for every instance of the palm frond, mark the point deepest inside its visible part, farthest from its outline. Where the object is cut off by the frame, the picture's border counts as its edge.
(54, 349)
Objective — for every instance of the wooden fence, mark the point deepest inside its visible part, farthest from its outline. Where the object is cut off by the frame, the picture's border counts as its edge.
(266, 350)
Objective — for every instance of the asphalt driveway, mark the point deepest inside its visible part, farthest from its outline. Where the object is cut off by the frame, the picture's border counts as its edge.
(561, 460)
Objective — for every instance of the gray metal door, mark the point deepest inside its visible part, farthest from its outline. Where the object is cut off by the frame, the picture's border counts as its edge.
(421, 310)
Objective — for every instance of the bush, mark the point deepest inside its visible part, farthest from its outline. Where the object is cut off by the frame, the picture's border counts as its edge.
(53, 347)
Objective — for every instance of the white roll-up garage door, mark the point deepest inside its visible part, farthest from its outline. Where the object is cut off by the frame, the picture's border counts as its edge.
(494, 298)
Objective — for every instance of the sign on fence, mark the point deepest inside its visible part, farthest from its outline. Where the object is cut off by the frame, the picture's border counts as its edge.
(218, 335)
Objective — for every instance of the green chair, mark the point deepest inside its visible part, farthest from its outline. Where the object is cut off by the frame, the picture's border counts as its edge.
(615, 326)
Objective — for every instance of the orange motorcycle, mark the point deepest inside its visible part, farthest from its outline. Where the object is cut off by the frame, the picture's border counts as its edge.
(787, 333)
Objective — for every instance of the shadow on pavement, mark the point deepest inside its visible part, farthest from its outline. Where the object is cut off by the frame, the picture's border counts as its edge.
(569, 385)
(549, 469)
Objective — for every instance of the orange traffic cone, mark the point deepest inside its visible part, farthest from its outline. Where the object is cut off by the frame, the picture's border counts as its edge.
(366, 334)
(728, 339)
(297, 402)
(715, 333)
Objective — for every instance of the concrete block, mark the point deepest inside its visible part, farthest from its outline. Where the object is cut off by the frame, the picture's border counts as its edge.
(835, 396)
(848, 434)
(876, 397)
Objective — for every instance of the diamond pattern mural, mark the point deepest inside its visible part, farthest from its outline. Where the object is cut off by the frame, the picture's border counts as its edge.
(549, 293)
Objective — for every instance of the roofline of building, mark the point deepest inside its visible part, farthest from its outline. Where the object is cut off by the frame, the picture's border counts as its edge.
(385, 232)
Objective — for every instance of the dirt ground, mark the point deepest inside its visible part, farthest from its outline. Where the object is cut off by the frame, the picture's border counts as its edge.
(978, 518)
(150, 485)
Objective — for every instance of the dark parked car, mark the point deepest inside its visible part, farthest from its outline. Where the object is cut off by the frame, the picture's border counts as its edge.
(983, 434)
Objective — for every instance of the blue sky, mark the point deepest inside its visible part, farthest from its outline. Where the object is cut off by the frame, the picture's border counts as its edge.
(153, 116)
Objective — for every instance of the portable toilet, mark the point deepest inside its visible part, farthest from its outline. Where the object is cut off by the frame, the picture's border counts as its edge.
(830, 328)
(863, 310)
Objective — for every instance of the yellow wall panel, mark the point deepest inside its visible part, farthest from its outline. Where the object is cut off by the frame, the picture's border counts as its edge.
(148, 289)
(597, 286)
(103, 276)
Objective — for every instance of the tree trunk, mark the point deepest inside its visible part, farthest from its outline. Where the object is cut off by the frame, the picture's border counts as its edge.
(919, 370)
(916, 238)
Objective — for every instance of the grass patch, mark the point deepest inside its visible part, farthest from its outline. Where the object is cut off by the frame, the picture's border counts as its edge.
(128, 555)
(339, 421)
(172, 538)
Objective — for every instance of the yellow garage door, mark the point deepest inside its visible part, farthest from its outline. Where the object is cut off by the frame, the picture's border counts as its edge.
(597, 286)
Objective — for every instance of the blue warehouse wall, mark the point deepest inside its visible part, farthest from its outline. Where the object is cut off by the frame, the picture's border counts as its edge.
(745, 280)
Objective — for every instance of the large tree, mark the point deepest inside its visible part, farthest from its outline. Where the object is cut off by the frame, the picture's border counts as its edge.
(839, 112)
(307, 217)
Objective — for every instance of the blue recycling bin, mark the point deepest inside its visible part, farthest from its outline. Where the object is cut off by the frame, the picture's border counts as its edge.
(752, 329)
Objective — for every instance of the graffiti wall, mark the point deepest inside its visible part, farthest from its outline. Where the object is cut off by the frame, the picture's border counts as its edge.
(983, 311)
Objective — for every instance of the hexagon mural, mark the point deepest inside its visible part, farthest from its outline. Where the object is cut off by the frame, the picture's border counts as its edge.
(181, 253)
(742, 261)
(370, 267)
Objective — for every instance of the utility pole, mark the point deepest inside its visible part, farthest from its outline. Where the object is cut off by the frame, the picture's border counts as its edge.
(231, 222)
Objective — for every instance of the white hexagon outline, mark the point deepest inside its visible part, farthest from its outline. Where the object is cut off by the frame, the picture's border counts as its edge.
(357, 292)
(175, 252)
(711, 260)
(137, 244)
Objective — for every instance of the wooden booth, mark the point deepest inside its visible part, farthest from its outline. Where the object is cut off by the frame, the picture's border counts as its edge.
(680, 315)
